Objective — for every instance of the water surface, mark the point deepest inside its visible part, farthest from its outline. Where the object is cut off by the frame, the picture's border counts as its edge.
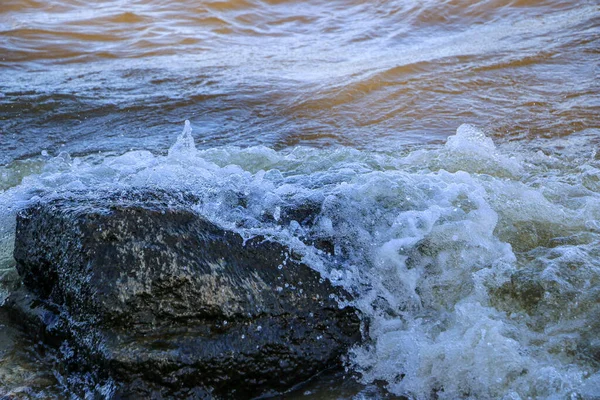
(452, 147)
(87, 76)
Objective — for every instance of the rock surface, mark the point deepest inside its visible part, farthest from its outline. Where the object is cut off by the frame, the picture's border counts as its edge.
(146, 292)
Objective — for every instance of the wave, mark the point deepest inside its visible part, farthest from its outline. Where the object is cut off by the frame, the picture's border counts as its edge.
(476, 264)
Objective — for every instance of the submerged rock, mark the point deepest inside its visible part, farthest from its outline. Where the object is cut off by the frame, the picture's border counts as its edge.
(144, 291)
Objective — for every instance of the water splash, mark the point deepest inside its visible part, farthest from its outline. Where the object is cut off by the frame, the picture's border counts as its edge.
(459, 255)
(184, 147)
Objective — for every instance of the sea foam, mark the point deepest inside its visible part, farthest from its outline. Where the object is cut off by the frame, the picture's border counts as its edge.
(474, 265)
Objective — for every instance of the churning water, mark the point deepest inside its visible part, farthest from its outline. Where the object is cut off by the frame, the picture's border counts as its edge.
(449, 149)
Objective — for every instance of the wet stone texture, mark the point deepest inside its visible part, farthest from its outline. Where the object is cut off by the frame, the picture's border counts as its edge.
(138, 289)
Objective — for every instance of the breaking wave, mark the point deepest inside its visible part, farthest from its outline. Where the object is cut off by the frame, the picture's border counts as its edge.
(476, 265)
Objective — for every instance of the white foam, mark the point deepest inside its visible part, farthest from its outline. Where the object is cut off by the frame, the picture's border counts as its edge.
(477, 273)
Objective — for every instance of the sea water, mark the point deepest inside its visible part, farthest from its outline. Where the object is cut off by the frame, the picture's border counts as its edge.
(449, 150)
(476, 265)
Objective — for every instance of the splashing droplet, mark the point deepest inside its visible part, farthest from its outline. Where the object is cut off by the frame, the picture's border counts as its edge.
(185, 142)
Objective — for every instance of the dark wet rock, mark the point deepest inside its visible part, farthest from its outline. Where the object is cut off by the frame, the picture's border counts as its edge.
(304, 214)
(145, 291)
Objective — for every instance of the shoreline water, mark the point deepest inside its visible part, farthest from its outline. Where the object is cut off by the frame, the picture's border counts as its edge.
(465, 239)
(473, 249)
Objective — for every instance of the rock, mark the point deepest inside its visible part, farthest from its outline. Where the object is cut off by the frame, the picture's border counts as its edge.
(146, 292)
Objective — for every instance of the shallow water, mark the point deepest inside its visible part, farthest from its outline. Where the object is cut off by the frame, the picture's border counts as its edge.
(451, 146)
(87, 76)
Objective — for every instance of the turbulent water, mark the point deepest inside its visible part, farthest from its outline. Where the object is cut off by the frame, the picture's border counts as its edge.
(451, 147)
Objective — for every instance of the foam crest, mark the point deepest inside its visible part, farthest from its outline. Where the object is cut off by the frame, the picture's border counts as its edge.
(470, 150)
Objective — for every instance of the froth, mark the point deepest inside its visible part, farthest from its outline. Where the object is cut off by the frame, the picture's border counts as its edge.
(478, 279)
